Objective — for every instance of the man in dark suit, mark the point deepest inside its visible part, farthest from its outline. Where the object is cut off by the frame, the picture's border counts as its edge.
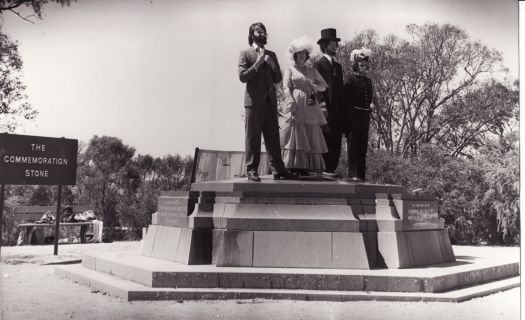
(332, 73)
(259, 69)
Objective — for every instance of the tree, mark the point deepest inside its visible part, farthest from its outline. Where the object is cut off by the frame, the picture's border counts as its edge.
(174, 172)
(104, 168)
(470, 118)
(416, 79)
(14, 107)
(14, 6)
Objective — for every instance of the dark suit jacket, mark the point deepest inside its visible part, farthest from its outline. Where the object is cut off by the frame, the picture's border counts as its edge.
(260, 83)
(333, 96)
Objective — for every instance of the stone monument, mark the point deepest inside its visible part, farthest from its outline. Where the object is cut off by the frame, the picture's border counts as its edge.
(306, 223)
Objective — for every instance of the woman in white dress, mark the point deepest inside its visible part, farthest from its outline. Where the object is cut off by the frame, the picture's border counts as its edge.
(301, 137)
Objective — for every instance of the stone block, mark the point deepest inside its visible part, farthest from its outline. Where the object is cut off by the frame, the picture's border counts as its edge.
(381, 189)
(446, 247)
(394, 249)
(389, 225)
(162, 243)
(285, 217)
(172, 193)
(129, 272)
(183, 250)
(184, 280)
(179, 206)
(370, 240)
(201, 246)
(440, 283)
(292, 249)
(367, 225)
(154, 218)
(324, 282)
(170, 220)
(149, 242)
(386, 212)
(103, 265)
(507, 270)
(201, 220)
(392, 284)
(235, 249)
(251, 280)
(170, 247)
(89, 262)
(426, 249)
(216, 244)
(349, 250)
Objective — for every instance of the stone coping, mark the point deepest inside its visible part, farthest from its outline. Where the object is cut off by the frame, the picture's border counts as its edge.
(467, 259)
(267, 184)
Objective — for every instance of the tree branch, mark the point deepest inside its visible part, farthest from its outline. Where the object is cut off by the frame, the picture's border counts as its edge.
(22, 17)
(14, 5)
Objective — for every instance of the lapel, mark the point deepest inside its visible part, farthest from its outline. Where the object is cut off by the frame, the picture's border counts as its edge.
(253, 54)
(327, 62)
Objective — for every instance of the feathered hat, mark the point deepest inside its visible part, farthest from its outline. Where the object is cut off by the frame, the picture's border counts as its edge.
(360, 55)
(299, 44)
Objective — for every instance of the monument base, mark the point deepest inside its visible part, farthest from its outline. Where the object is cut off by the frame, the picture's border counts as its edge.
(294, 249)
(298, 224)
(129, 275)
(182, 245)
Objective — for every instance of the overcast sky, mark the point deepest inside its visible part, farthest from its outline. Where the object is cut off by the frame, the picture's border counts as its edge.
(162, 75)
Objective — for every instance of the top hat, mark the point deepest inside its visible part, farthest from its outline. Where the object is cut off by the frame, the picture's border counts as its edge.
(327, 35)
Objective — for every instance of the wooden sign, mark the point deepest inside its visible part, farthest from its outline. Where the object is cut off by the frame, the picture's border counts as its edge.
(37, 160)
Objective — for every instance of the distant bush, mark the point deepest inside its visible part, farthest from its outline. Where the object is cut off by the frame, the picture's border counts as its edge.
(478, 198)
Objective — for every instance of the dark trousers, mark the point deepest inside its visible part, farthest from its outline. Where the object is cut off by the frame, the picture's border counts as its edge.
(358, 144)
(333, 143)
(262, 120)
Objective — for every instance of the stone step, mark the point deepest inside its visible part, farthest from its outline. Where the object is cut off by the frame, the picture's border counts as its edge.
(267, 184)
(156, 273)
(132, 291)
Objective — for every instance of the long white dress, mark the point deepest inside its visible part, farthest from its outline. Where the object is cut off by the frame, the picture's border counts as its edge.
(301, 137)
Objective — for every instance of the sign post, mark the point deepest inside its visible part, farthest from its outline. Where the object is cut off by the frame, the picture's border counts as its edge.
(2, 189)
(37, 160)
(57, 220)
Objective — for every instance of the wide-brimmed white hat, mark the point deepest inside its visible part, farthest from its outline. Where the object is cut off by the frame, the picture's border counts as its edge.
(360, 54)
(300, 44)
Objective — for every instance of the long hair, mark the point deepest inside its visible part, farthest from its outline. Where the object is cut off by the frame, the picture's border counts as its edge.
(323, 45)
(252, 30)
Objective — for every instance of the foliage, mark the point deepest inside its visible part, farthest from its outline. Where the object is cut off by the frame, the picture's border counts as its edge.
(103, 170)
(478, 198)
(14, 6)
(14, 107)
(420, 82)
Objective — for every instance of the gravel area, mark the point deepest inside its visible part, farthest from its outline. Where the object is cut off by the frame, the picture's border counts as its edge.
(30, 290)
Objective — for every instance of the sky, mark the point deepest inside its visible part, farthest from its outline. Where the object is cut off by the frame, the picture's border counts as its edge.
(162, 75)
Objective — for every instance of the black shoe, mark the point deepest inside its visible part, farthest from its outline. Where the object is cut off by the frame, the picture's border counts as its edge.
(253, 176)
(286, 175)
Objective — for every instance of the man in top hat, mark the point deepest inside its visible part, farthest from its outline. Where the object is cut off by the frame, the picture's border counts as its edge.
(332, 73)
(259, 69)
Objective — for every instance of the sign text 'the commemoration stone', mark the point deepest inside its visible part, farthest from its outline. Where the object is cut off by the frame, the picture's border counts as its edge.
(37, 160)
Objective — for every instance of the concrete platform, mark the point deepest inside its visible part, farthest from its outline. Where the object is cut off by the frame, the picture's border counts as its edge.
(131, 276)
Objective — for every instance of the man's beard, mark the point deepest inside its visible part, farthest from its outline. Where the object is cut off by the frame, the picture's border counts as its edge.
(260, 40)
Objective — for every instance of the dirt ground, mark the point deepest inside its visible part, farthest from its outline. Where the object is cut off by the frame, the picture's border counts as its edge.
(29, 290)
